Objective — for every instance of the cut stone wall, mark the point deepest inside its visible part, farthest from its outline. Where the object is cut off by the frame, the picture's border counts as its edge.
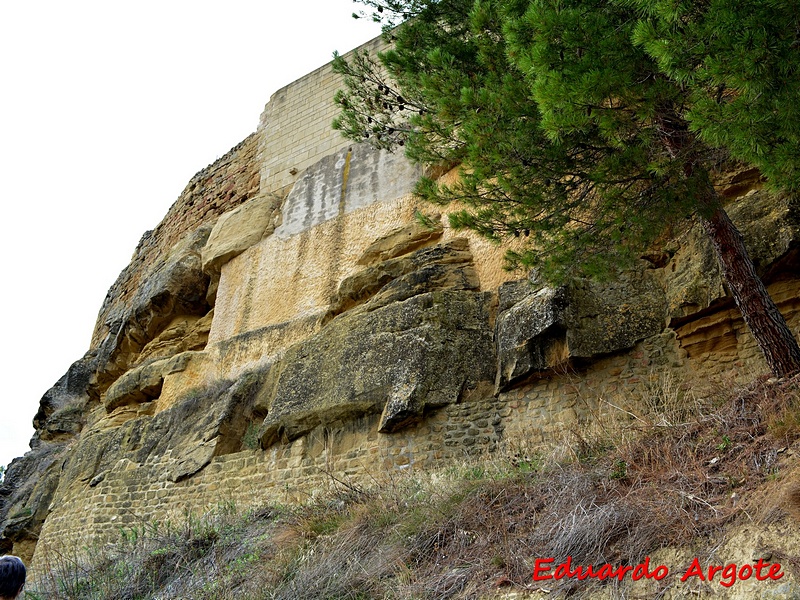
(547, 410)
(295, 128)
(151, 446)
(130, 494)
(544, 411)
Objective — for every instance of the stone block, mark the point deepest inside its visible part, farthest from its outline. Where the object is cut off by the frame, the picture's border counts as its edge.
(446, 266)
(586, 319)
(401, 241)
(343, 182)
(395, 360)
(238, 229)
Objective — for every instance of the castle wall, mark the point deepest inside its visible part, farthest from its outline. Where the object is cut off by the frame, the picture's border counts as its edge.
(295, 127)
(131, 495)
(606, 393)
(277, 292)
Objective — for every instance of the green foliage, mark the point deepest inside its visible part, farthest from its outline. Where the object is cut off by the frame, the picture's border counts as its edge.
(740, 65)
(250, 439)
(619, 470)
(583, 128)
(21, 512)
(425, 220)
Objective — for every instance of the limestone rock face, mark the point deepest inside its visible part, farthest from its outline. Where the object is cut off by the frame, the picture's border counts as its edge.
(693, 279)
(770, 227)
(25, 496)
(531, 334)
(228, 182)
(31, 480)
(398, 359)
(547, 327)
(401, 241)
(414, 335)
(323, 322)
(140, 384)
(177, 288)
(185, 333)
(154, 310)
(144, 383)
(206, 422)
(60, 414)
(444, 266)
(237, 230)
(605, 317)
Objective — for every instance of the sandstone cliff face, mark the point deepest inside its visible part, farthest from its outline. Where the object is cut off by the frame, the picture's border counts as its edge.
(284, 323)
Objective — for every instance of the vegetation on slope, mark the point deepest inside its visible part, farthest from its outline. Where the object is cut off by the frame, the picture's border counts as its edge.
(585, 128)
(672, 476)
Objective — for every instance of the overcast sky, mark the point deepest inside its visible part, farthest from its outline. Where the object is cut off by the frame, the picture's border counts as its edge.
(107, 109)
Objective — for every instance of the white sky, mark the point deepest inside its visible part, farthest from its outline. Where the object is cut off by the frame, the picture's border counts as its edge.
(107, 109)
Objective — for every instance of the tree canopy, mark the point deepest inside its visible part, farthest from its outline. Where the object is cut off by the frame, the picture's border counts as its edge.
(587, 127)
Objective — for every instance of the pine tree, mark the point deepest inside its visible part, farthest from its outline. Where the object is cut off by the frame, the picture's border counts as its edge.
(591, 126)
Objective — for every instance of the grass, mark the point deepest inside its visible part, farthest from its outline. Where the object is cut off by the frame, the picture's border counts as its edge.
(612, 494)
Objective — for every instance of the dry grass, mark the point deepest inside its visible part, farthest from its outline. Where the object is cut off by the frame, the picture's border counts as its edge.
(669, 476)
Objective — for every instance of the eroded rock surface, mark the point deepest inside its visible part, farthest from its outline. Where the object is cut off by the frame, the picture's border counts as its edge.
(176, 288)
(157, 308)
(25, 496)
(414, 335)
(445, 266)
(606, 317)
(770, 227)
(206, 422)
(541, 328)
(402, 241)
(144, 383)
(31, 481)
(404, 334)
(530, 333)
(397, 360)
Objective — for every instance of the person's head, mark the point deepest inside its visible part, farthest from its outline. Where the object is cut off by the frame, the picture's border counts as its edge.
(12, 577)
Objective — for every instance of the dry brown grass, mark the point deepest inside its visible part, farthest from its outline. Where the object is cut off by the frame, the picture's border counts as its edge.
(669, 476)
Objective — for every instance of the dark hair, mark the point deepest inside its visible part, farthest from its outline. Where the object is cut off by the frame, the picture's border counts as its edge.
(12, 576)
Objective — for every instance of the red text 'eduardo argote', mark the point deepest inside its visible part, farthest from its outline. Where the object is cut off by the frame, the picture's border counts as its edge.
(727, 574)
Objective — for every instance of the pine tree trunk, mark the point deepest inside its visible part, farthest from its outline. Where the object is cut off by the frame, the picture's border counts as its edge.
(760, 313)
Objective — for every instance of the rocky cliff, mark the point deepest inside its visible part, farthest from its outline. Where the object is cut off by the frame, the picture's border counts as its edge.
(290, 319)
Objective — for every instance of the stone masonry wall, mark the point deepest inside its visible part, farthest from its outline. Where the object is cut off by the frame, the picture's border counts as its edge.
(295, 127)
(228, 182)
(131, 495)
(275, 292)
(543, 411)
